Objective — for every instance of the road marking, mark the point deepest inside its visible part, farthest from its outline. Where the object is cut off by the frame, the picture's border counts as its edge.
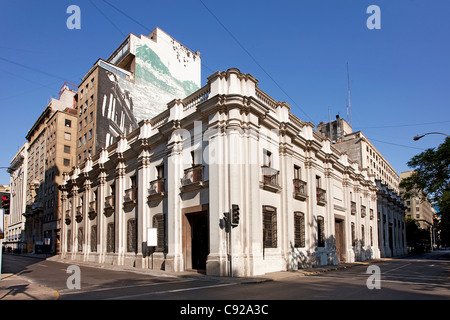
(171, 291)
(397, 268)
(72, 291)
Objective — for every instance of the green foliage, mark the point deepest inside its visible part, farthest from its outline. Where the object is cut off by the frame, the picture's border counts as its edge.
(431, 178)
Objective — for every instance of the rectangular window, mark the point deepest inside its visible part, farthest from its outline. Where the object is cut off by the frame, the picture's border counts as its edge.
(68, 123)
(320, 232)
(66, 162)
(158, 223)
(299, 226)
(66, 149)
(267, 158)
(297, 172)
(270, 226)
(67, 136)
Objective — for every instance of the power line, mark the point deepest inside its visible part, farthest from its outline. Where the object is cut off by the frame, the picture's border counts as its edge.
(253, 58)
(405, 125)
(128, 16)
(144, 26)
(106, 17)
(33, 69)
(395, 144)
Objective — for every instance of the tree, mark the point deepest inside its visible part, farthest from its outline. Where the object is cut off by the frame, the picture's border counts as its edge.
(431, 178)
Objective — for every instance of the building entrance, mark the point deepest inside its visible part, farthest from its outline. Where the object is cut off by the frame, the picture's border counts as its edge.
(339, 234)
(196, 240)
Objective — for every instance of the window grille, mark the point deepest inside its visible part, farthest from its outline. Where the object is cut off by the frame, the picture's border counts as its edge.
(270, 227)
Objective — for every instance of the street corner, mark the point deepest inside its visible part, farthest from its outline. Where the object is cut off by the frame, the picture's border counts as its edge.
(14, 287)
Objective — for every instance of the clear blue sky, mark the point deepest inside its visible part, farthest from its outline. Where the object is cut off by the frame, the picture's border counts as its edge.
(298, 50)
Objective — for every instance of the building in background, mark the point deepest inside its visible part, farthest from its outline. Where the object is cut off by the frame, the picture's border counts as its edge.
(421, 211)
(51, 152)
(18, 183)
(360, 149)
(418, 209)
(390, 207)
(135, 83)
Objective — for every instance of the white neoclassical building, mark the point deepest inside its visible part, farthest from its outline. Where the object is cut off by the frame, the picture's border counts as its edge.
(301, 201)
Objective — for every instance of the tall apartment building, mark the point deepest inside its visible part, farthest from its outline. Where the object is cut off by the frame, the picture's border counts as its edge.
(302, 202)
(18, 184)
(359, 148)
(51, 152)
(418, 209)
(390, 207)
(136, 82)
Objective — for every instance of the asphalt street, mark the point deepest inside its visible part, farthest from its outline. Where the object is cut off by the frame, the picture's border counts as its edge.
(423, 277)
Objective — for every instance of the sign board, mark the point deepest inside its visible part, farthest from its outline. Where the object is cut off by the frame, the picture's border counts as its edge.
(152, 237)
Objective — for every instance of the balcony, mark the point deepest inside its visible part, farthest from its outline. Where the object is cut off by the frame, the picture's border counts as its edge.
(109, 204)
(157, 189)
(192, 179)
(79, 213)
(270, 179)
(129, 199)
(321, 196)
(353, 208)
(68, 219)
(92, 211)
(300, 190)
(363, 211)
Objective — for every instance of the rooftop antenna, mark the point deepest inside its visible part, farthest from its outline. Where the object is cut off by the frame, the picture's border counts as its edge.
(349, 105)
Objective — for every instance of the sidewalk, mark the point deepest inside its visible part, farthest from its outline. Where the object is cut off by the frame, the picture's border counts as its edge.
(15, 287)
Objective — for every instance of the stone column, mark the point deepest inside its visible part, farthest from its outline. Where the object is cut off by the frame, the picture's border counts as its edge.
(143, 210)
(174, 258)
(119, 217)
(101, 225)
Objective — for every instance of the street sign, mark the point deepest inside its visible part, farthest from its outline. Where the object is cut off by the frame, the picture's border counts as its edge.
(152, 237)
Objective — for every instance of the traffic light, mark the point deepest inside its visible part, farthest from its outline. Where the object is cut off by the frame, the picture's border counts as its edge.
(234, 215)
(5, 202)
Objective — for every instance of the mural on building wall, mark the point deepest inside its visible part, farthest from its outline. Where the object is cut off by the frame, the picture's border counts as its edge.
(154, 85)
(115, 112)
(126, 99)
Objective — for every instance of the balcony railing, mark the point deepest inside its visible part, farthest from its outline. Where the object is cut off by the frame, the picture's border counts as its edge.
(270, 179)
(130, 197)
(92, 210)
(353, 208)
(79, 213)
(157, 189)
(300, 189)
(193, 178)
(93, 206)
(321, 196)
(109, 204)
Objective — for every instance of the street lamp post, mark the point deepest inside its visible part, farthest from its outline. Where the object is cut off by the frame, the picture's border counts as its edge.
(423, 135)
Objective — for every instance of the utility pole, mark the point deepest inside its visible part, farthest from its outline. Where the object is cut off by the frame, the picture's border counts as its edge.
(231, 221)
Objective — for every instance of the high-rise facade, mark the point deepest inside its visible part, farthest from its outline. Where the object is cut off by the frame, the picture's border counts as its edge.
(390, 208)
(136, 82)
(18, 184)
(51, 152)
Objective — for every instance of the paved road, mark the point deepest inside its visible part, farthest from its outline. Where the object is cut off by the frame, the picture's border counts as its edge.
(419, 277)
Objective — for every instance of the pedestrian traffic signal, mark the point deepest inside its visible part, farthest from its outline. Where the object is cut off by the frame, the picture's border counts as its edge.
(234, 215)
